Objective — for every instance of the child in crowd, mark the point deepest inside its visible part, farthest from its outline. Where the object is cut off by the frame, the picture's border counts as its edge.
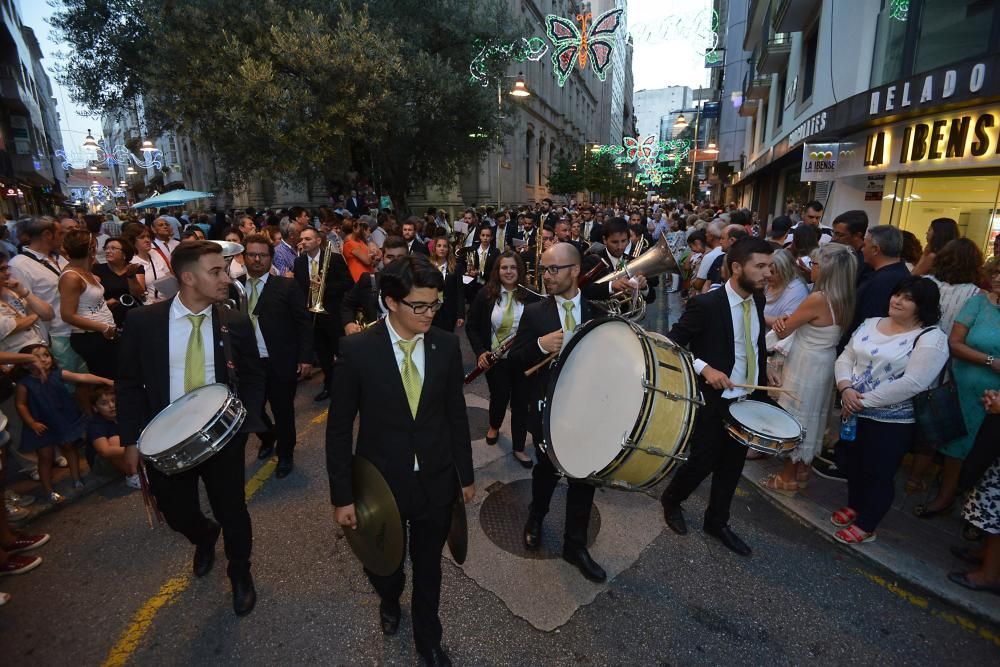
(102, 435)
(50, 415)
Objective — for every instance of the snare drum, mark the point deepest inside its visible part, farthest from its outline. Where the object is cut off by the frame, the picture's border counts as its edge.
(192, 428)
(620, 405)
(763, 427)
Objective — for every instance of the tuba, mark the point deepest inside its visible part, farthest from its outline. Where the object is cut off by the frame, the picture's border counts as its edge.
(317, 290)
(658, 259)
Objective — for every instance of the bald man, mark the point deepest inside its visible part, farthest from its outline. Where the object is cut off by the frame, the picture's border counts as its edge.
(541, 331)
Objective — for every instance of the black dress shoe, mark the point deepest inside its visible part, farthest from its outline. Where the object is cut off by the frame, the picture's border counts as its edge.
(204, 553)
(244, 593)
(266, 448)
(321, 396)
(674, 517)
(729, 538)
(493, 440)
(533, 533)
(525, 463)
(580, 557)
(436, 657)
(284, 468)
(389, 615)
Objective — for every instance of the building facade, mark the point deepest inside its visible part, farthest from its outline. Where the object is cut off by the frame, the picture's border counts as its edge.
(658, 108)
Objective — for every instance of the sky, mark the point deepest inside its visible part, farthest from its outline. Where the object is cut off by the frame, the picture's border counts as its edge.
(657, 62)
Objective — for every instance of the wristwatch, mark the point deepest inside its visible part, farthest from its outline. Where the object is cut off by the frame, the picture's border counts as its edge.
(989, 360)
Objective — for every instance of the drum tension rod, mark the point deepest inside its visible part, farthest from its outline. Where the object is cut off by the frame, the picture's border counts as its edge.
(655, 451)
(647, 385)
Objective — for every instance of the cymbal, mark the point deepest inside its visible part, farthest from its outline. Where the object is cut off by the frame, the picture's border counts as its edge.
(378, 539)
(458, 533)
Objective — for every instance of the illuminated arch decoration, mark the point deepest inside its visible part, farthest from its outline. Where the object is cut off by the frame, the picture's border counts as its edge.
(491, 52)
(592, 42)
(701, 28)
(119, 155)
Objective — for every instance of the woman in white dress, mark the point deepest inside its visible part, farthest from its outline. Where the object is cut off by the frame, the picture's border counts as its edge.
(808, 370)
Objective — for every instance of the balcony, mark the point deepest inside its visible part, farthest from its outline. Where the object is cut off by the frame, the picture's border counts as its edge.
(774, 54)
(758, 88)
(749, 107)
(794, 15)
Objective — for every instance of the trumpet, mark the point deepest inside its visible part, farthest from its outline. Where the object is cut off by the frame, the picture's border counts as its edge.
(317, 286)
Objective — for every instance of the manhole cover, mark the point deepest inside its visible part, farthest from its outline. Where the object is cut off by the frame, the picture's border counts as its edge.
(479, 422)
(504, 512)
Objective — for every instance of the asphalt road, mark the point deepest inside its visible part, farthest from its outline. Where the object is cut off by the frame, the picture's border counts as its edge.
(113, 591)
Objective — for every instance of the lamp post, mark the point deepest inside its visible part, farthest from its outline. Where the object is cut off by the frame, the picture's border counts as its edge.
(520, 89)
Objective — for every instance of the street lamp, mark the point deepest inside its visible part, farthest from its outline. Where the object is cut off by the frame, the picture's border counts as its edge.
(147, 146)
(681, 122)
(520, 89)
(89, 143)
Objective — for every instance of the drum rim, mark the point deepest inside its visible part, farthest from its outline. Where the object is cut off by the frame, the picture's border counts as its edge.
(231, 394)
(767, 436)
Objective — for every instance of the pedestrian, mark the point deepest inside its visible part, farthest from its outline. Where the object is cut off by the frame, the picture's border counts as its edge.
(939, 233)
(82, 306)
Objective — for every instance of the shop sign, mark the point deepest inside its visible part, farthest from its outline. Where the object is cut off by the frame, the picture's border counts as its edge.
(819, 162)
(875, 188)
(929, 89)
(815, 124)
(958, 137)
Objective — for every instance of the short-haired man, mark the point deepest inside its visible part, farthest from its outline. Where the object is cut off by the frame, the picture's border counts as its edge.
(849, 228)
(163, 239)
(283, 330)
(614, 257)
(413, 245)
(247, 226)
(713, 236)
(724, 330)
(362, 301)
(403, 379)
(779, 237)
(883, 246)
(730, 235)
(169, 349)
(590, 228)
(812, 215)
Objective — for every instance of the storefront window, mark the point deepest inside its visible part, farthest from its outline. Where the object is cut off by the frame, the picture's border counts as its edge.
(887, 65)
(949, 28)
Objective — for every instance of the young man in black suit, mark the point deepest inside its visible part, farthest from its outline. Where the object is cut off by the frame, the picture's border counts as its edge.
(284, 334)
(541, 331)
(326, 326)
(363, 296)
(724, 329)
(168, 349)
(413, 244)
(615, 241)
(590, 229)
(404, 378)
(478, 262)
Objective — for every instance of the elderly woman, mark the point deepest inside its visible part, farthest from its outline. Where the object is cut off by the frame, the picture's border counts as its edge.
(122, 280)
(785, 289)
(887, 362)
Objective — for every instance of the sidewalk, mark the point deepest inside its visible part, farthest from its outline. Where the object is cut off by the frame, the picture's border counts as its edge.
(20, 482)
(916, 550)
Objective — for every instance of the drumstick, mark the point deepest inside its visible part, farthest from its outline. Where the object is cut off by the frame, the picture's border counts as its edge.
(757, 386)
(537, 367)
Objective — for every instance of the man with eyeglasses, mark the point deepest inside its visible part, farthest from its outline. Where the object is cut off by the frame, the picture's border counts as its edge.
(283, 329)
(404, 378)
(544, 328)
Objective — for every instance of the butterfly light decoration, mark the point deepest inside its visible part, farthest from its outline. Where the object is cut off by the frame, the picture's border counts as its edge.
(638, 148)
(590, 42)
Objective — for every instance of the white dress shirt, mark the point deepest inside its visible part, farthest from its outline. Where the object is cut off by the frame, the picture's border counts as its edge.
(738, 373)
(40, 274)
(180, 332)
(261, 345)
(577, 315)
(417, 356)
(707, 261)
(496, 317)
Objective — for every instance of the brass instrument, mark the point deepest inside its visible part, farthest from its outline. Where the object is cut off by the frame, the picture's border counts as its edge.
(632, 306)
(494, 355)
(640, 246)
(317, 290)
(539, 249)
(241, 303)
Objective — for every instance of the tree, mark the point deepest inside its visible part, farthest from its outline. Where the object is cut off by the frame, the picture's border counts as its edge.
(564, 179)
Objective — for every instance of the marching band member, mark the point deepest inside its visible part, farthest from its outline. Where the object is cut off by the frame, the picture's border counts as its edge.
(452, 313)
(167, 350)
(363, 297)
(616, 238)
(541, 332)
(404, 378)
(493, 317)
(308, 271)
(479, 262)
(283, 330)
(724, 329)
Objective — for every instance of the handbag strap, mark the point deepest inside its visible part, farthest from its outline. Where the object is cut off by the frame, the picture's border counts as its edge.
(946, 369)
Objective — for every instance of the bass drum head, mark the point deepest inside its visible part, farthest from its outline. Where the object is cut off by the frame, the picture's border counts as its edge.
(765, 419)
(594, 397)
(183, 418)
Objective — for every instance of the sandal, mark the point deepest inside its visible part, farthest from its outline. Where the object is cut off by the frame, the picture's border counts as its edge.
(853, 535)
(914, 486)
(843, 517)
(774, 482)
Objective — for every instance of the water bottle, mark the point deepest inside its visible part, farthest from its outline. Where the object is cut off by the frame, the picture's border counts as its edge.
(849, 428)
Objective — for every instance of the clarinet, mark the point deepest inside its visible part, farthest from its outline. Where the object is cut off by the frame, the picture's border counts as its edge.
(494, 355)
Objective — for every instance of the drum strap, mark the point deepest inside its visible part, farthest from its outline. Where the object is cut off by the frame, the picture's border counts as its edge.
(227, 348)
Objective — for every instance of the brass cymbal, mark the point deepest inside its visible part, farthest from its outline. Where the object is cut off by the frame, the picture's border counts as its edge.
(458, 533)
(378, 539)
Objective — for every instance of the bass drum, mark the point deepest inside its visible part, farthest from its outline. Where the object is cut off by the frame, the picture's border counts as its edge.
(620, 405)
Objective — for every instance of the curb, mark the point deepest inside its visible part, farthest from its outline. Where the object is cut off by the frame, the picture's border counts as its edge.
(40, 508)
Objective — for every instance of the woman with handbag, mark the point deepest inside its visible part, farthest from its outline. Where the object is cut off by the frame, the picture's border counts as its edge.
(975, 346)
(888, 361)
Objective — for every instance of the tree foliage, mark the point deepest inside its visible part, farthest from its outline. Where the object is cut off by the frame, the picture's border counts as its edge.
(564, 178)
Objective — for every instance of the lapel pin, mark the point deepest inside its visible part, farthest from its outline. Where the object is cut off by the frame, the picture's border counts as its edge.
(433, 346)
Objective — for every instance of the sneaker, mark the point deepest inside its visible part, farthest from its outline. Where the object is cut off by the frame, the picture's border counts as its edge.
(828, 470)
(34, 475)
(61, 462)
(20, 564)
(27, 543)
(132, 481)
(56, 498)
(18, 499)
(15, 513)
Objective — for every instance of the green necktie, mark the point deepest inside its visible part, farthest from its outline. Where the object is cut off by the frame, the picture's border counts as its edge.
(507, 321)
(621, 262)
(411, 376)
(254, 295)
(570, 319)
(749, 343)
(194, 359)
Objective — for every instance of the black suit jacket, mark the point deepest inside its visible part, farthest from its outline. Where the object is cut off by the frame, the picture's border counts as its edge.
(479, 324)
(285, 324)
(538, 319)
(356, 205)
(368, 381)
(362, 296)
(419, 246)
(338, 280)
(509, 235)
(596, 232)
(706, 329)
(143, 384)
(471, 260)
(601, 292)
(454, 302)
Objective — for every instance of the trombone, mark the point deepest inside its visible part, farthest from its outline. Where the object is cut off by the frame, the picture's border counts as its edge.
(317, 284)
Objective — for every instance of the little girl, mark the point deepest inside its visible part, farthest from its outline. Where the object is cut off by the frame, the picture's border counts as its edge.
(50, 415)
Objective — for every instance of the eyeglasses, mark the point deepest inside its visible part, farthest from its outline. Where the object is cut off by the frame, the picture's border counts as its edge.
(421, 308)
(257, 255)
(553, 269)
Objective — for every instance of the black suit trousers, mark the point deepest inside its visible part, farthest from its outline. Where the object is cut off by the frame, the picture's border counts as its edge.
(279, 393)
(326, 336)
(713, 451)
(428, 531)
(223, 475)
(509, 386)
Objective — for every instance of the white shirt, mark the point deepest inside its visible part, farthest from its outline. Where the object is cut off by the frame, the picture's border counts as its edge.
(823, 238)
(417, 356)
(166, 248)
(738, 373)
(32, 269)
(707, 261)
(180, 332)
(261, 345)
(153, 270)
(313, 263)
(496, 317)
(577, 315)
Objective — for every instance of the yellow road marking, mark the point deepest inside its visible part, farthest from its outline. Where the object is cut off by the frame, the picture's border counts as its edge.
(320, 418)
(923, 603)
(258, 479)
